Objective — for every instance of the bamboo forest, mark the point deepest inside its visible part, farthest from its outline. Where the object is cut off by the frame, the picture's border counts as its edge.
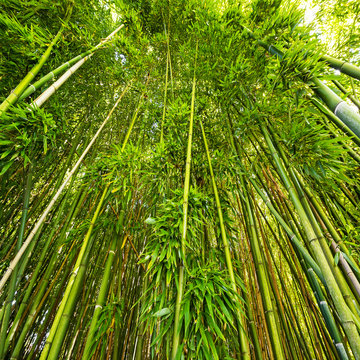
(179, 179)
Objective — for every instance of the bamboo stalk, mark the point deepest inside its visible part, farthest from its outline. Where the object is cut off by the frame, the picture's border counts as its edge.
(244, 343)
(61, 322)
(15, 94)
(338, 106)
(165, 91)
(40, 100)
(180, 289)
(52, 345)
(101, 297)
(263, 281)
(11, 290)
(354, 100)
(336, 121)
(345, 314)
(343, 66)
(36, 227)
(348, 296)
(43, 282)
(35, 86)
(259, 262)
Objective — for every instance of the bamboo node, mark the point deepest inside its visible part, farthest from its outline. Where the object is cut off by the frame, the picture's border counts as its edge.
(341, 66)
(269, 311)
(14, 94)
(337, 107)
(348, 322)
(314, 239)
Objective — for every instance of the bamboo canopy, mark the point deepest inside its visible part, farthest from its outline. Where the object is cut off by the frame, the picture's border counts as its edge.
(188, 188)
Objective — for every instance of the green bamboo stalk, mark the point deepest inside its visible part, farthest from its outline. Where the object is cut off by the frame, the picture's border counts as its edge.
(165, 90)
(40, 100)
(180, 289)
(35, 307)
(38, 84)
(343, 286)
(105, 283)
(53, 344)
(315, 286)
(330, 323)
(337, 240)
(344, 312)
(338, 106)
(140, 339)
(336, 121)
(296, 275)
(329, 320)
(318, 346)
(293, 238)
(132, 122)
(14, 95)
(19, 254)
(61, 322)
(247, 302)
(343, 66)
(48, 312)
(244, 343)
(288, 345)
(262, 278)
(253, 285)
(44, 281)
(169, 58)
(55, 186)
(67, 313)
(260, 269)
(41, 82)
(11, 290)
(119, 266)
(354, 100)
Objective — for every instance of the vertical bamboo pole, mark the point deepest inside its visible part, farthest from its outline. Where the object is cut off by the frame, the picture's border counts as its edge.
(12, 287)
(244, 343)
(176, 332)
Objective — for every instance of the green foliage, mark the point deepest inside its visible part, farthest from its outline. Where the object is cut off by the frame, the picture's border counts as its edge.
(210, 309)
(315, 152)
(23, 132)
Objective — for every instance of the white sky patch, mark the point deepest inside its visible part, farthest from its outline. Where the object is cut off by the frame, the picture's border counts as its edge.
(114, 14)
(310, 13)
